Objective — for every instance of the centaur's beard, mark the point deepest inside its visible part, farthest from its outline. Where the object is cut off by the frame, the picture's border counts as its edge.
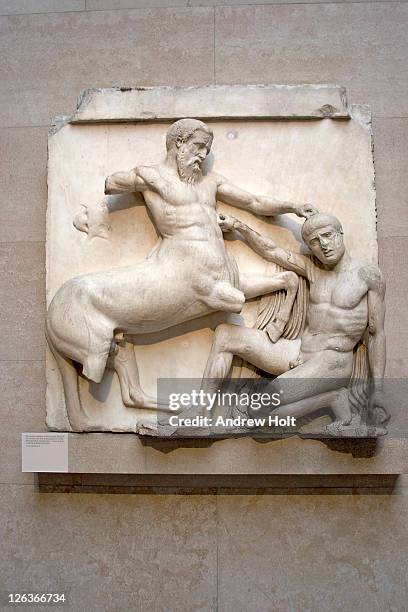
(189, 169)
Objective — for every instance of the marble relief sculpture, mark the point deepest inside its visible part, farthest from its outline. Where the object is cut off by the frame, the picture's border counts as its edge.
(319, 327)
(346, 302)
(188, 274)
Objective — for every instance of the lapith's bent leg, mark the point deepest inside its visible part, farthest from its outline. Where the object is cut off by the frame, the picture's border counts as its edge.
(337, 400)
(254, 285)
(313, 385)
(316, 375)
(252, 345)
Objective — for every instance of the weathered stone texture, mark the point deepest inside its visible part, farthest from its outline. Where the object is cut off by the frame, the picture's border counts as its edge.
(98, 5)
(48, 59)
(22, 389)
(357, 45)
(15, 7)
(322, 553)
(111, 553)
(212, 102)
(393, 253)
(22, 279)
(391, 165)
(24, 184)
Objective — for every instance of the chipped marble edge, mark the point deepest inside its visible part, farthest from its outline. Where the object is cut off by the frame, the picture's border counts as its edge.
(221, 102)
(362, 115)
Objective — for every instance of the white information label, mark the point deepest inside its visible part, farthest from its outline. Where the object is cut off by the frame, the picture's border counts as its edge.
(44, 452)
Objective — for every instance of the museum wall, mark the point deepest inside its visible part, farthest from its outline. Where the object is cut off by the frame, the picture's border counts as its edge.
(303, 545)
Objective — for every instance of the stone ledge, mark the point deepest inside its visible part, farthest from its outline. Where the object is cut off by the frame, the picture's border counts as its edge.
(123, 104)
(98, 453)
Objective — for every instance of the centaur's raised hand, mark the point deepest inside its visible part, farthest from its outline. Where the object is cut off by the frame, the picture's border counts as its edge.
(306, 210)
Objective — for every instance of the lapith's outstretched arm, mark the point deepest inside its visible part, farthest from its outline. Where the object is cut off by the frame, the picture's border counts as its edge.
(260, 205)
(266, 248)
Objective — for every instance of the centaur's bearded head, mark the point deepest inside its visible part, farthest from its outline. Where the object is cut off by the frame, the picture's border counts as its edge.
(190, 141)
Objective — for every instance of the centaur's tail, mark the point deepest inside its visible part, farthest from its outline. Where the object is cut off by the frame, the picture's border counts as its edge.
(76, 416)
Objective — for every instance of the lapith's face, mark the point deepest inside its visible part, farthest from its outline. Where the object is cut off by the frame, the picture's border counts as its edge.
(327, 245)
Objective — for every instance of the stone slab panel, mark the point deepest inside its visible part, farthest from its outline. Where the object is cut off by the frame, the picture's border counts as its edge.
(22, 389)
(110, 552)
(362, 46)
(22, 286)
(23, 166)
(49, 59)
(212, 102)
(292, 163)
(319, 552)
(391, 168)
(15, 7)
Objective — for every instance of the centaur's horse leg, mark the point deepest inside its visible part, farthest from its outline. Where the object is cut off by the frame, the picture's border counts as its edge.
(122, 359)
(254, 285)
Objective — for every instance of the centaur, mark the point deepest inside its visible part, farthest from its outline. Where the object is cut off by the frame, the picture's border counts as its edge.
(187, 275)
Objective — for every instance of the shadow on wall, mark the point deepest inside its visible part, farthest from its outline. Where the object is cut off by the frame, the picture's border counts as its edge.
(362, 448)
(250, 484)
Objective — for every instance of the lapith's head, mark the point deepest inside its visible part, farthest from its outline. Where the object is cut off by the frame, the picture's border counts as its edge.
(323, 234)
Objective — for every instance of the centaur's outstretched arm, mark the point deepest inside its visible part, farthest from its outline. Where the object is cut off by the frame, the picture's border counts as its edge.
(124, 182)
(259, 205)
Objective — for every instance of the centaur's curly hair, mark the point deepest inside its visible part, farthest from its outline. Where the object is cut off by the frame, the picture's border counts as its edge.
(184, 129)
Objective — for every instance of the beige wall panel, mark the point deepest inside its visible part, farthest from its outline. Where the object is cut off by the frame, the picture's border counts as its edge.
(110, 553)
(362, 46)
(22, 279)
(48, 59)
(312, 553)
(22, 389)
(14, 7)
(391, 169)
(24, 186)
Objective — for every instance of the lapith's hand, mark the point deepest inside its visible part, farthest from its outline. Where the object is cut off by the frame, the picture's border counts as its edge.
(227, 223)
